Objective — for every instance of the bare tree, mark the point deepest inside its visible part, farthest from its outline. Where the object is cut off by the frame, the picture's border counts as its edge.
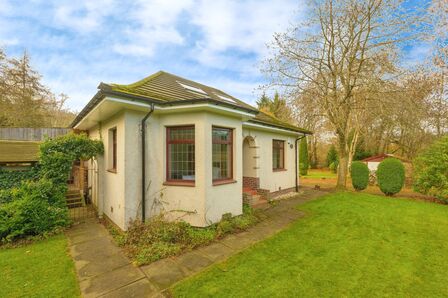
(332, 56)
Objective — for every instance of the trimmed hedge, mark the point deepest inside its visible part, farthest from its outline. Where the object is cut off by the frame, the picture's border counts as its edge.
(360, 175)
(390, 176)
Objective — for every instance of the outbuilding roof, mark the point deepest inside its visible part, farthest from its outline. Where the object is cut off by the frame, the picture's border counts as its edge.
(19, 151)
(163, 88)
(381, 157)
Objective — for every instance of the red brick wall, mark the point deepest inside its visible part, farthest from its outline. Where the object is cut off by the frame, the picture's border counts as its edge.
(251, 182)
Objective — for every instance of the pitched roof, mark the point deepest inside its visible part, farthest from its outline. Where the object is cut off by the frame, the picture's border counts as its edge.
(164, 88)
(381, 157)
(171, 88)
(19, 151)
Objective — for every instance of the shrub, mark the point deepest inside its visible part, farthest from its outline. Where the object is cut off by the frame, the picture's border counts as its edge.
(158, 238)
(390, 176)
(332, 156)
(334, 166)
(431, 170)
(10, 179)
(33, 209)
(303, 157)
(360, 175)
(37, 207)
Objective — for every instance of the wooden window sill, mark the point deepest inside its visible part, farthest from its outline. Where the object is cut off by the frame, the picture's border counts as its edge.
(179, 183)
(112, 171)
(279, 170)
(222, 182)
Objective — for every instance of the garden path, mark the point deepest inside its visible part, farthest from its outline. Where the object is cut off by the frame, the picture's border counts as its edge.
(104, 271)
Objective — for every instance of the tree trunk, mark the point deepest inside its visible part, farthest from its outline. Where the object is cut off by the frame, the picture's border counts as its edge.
(343, 164)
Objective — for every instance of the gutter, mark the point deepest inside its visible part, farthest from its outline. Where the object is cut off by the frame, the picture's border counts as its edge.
(143, 123)
(297, 162)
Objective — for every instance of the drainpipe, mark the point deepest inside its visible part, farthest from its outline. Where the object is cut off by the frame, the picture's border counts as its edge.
(143, 123)
(297, 162)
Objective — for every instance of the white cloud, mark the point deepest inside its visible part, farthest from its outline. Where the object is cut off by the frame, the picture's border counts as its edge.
(153, 23)
(82, 16)
(77, 44)
(417, 55)
(239, 25)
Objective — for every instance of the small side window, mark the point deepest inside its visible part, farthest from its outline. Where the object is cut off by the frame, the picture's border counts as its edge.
(112, 149)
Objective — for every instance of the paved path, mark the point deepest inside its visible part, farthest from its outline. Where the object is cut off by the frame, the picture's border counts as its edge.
(104, 271)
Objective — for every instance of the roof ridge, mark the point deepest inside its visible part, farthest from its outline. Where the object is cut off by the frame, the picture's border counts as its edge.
(139, 82)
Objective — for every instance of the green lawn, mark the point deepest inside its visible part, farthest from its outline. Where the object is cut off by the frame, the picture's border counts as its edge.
(41, 269)
(320, 173)
(350, 244)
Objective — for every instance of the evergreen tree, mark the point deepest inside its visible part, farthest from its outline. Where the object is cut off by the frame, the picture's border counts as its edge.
(332, 155)
(276, 107)
(24, 100)
(264, 103)
(303, 157)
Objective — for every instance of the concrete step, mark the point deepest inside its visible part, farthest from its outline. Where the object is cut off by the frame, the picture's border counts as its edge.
(73, 195)
(74, 205)
(73, 200)
(260, 204)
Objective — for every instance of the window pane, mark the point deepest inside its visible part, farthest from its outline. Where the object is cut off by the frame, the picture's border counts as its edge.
(221, 134)
(222, 153)
(181, 157)
(278, 158)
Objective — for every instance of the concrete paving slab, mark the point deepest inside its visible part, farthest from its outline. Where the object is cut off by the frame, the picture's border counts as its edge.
(140, 288)
(193, 261)
(164, 273)
(216, 251)
(110, 281)
(238, 241)
(103, 263)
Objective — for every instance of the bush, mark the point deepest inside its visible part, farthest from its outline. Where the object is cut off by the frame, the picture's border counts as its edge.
(332, 156)
(303, 157)
(360, 175)
(36, 207)
(158, 238)
(390, 176)
(334, 166)
(431, 170)
(33, 209)
(10, 179)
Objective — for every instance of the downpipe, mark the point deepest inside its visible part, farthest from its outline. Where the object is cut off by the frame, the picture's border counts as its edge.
(143, 124)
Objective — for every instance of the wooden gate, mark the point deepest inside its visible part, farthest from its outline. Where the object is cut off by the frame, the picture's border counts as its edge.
(79, 202)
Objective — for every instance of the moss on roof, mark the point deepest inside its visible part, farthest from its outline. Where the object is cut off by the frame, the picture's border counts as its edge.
(166, 88)
(264, 118)
(19, 151)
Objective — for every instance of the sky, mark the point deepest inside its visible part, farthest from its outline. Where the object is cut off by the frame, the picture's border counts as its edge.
(75, 45)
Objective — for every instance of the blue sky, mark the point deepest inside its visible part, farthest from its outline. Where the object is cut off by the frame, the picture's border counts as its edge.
(77, 44)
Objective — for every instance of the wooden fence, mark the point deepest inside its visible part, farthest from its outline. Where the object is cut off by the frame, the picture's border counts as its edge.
(31, 134)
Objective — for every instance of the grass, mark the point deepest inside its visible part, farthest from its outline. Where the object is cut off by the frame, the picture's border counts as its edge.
(319, 174)
(350, 244)
(41, 269)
